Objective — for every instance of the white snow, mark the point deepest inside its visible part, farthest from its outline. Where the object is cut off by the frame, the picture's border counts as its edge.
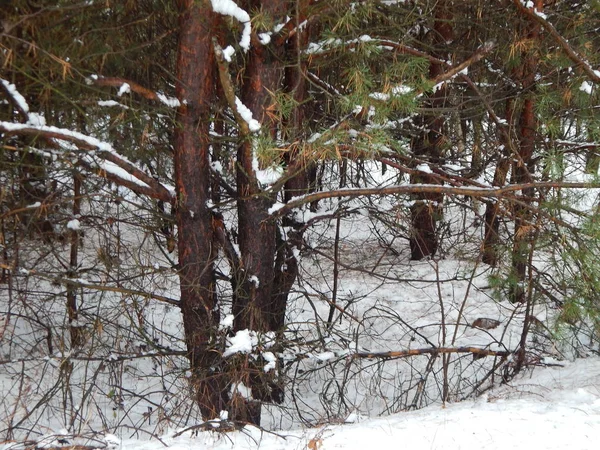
(112, 441)
(74, 224)
(269, 175)
(36, 119)
(271, 361)
(110, 103)
(586, 87)
(424, 168)
(242, 390)
(552, 409)
(246, 114)
(226, 322)
(171, 102)
(325, 356)
(230, 8)
(107, 166)
(124, 89)
(264, 38)
(228, 52)
(113, 169)
(243, 342)
(16, 95)
(254, 280)
(276, 207)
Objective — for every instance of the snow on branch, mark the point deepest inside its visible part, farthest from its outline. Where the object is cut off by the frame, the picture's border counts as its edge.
(241, 112)
(111, 165)
(230, 8)
(130, 86)
(16, 98)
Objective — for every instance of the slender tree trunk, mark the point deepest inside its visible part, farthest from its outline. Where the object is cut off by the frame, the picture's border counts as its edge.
(195, 90)
(427, 208)
(523, 165)
(296, 84)
(491, 240)
(75, 330)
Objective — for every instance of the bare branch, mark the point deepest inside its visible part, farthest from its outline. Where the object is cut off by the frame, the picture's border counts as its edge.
(475, 351)
(139, 182)
(477, 192)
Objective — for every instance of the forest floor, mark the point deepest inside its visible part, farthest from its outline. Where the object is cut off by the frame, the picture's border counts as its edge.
(555, 407)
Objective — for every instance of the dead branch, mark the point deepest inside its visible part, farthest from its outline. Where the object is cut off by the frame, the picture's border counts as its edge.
(476, 192)
(153, 188)
(475, 351)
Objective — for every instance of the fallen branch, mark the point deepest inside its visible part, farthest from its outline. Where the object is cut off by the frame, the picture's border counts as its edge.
(475, 351)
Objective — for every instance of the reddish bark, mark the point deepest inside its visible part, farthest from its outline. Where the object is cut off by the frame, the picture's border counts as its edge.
(258, 304)
(296, 84)
(256, 233)
(195, 89)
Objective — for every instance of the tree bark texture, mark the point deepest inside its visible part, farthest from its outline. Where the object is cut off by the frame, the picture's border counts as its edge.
(195, 90)
(260, 296)
(427, 208)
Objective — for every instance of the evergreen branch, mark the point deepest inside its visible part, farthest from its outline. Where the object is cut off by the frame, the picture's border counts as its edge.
(571, 53)
(455, 70)
(137, 88)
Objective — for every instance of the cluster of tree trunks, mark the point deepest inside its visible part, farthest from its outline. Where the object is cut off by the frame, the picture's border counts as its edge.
(265, 269)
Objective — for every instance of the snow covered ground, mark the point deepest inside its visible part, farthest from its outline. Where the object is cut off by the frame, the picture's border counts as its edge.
(555, 407)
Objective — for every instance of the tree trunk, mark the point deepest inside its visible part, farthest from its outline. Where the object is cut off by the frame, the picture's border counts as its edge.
(296, 85)
(76, 331)
(256, 303)
(523, 165)
(427, 208)
(491, 240)
(195, 90)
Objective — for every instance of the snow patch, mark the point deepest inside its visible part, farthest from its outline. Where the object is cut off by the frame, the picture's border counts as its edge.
(424, 168)
(74, 224)
(228, 52)
(124, 89)
(243, 342)
(264, 38)
(586, 87)
(171, 102)
(226, 322)
(36, 120)
(242, 390)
